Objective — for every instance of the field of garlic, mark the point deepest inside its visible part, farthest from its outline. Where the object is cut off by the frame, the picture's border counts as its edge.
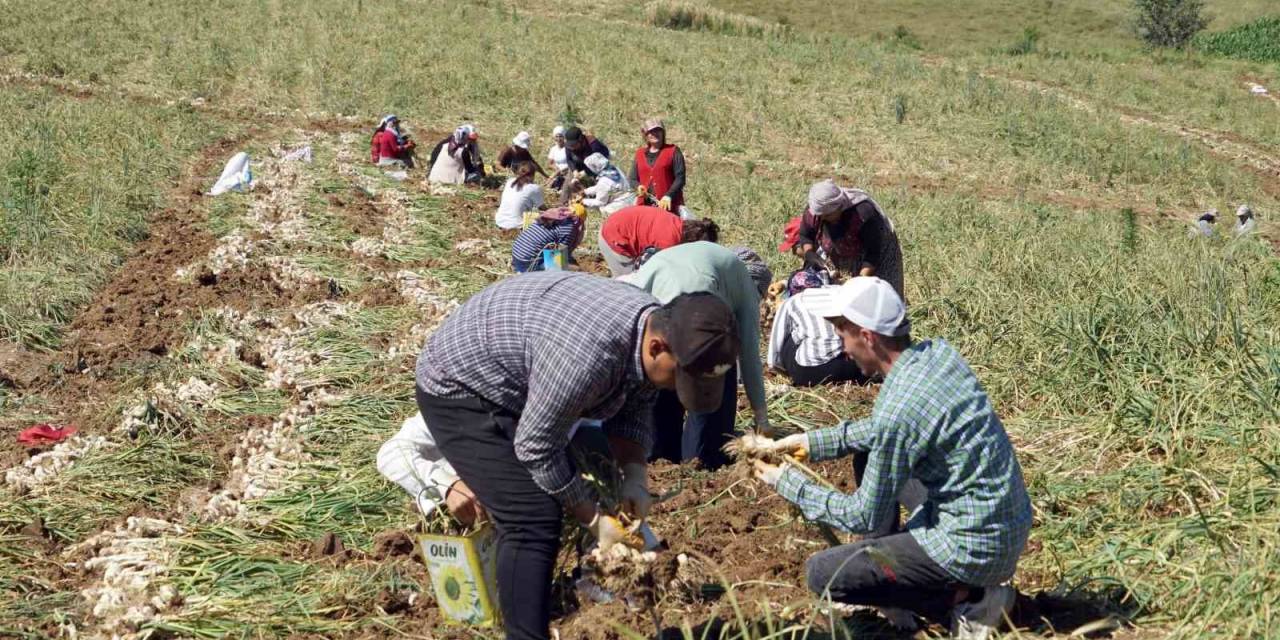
(268, 404)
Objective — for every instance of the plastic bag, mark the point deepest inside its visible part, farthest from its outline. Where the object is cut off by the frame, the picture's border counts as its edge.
(236, 176)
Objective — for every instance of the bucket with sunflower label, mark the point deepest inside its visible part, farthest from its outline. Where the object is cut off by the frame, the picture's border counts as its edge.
(462, 575)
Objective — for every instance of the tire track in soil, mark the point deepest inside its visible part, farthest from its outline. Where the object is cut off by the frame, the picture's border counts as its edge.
(310, 120)
(1234, 148)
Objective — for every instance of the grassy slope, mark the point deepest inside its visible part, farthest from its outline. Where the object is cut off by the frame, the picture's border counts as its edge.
(1140, 384)
(77, 180)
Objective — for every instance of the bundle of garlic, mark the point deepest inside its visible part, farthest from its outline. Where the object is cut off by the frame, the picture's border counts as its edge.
(289, 275)
(41, 468)
(265, 458)
(133, 562)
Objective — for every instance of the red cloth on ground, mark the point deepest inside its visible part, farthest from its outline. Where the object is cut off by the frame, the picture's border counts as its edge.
(632, 229)
(43, 434)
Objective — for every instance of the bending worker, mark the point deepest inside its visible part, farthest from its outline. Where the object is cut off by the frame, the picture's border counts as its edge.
(709, 268)
(632, 234)
(844, 231)
(507, 374)
(932, 424)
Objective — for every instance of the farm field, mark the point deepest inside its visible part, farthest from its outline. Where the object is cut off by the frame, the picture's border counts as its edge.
(233, 363)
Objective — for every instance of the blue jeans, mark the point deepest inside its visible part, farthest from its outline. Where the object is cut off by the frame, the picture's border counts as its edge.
(699, 435)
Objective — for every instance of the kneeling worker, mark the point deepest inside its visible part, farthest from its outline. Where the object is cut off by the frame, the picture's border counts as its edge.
(932, 422)
(505, 377)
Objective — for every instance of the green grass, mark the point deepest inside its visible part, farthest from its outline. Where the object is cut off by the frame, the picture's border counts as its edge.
(682, 16)
(78, 179)
(1137, 371)
(1258, 41)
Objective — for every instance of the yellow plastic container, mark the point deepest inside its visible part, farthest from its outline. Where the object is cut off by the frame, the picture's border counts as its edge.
(463, 575)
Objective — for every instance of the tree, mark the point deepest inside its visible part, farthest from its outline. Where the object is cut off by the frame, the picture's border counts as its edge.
(1169, 23)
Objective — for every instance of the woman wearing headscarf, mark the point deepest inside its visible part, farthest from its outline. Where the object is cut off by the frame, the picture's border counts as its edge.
(659, 167)
(456, 159)
(557, 227)
(844, 231)
(520, 194)
(389, 146)
(557, 155)
(611, 191)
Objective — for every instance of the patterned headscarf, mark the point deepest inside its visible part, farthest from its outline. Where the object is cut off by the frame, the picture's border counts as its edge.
(757, 267)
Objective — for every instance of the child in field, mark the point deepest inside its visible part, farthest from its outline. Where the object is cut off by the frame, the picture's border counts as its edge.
(521, 194)
(934, 445)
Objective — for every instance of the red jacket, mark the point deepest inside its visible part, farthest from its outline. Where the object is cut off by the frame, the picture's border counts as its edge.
(384, 145)
(631, 230)
(659, 177)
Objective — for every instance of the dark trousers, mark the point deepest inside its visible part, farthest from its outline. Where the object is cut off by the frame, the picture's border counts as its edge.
(887, 568)
(703, 435)
(476, 437)
(841, 369)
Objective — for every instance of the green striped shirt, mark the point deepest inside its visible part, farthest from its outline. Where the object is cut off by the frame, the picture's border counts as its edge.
(932, 421)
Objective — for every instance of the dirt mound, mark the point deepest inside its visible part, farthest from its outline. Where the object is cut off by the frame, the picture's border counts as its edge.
(749, 546)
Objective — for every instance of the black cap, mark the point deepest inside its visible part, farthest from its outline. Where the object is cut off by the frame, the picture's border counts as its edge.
(703, 336)
(572, 134)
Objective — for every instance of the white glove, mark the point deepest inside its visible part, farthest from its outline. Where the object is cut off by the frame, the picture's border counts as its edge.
(636, 498)
(766, 473)
(795, 445)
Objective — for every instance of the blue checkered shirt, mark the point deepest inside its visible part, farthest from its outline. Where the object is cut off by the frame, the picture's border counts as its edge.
(932, 421)
(553, 346)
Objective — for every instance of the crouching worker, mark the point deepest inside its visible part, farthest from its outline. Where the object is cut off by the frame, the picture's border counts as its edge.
(932, 424)
(805, 346)
(504, 378)
(559, 228)
(412, 460)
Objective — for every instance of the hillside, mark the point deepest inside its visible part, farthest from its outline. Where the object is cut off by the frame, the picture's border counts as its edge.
(233, 363)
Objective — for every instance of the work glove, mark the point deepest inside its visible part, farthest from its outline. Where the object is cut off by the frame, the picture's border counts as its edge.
(766, 473)
(607, 531)
(796, 446)
(635, 495)
(665, 203)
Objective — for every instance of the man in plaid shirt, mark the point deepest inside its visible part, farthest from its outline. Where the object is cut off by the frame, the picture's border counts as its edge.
(507, 375)
(933, 427)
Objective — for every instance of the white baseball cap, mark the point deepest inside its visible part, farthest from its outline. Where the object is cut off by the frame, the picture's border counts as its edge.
(867, 301)
(522, 140)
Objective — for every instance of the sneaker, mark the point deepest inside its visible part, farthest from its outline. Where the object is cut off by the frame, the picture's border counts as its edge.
(899, 619)
(976, 620)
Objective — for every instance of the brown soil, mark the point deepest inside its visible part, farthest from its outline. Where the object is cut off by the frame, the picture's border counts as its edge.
(141, 314)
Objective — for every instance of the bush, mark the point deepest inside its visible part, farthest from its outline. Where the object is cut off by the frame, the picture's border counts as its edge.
(1258, 41)
(1025, 45)
(1169, 23)
(690, 17)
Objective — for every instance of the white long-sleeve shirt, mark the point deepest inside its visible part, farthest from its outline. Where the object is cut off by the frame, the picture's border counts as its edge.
(609, 195)
(412, 460)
